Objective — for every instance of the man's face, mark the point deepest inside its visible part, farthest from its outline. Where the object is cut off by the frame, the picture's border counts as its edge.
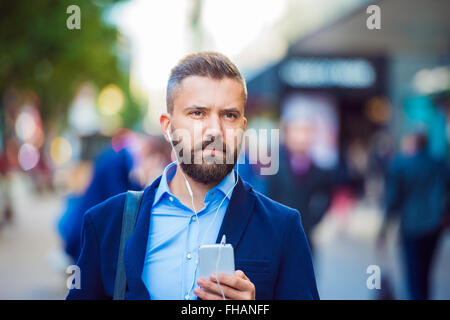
(299, 137)
(207, 122)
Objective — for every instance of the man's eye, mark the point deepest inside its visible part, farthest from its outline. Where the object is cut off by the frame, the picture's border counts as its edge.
(197, 113)
(231, 115)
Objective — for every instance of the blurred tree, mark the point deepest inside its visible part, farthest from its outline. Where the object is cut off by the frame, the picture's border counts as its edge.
(195, 18)
(38, 52)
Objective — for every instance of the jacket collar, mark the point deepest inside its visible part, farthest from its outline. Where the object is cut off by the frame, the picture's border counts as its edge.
(238, 214)
(236, 219)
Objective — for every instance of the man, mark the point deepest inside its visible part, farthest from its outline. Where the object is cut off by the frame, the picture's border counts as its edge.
(206, 95)
(416, 190)
(311, 187)
(116, 169)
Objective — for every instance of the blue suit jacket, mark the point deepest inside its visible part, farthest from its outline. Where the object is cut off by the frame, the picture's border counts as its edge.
(268, 239)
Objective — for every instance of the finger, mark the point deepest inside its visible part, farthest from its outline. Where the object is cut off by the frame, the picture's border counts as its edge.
(229, 293)
(249, 288)
(204, 295)
(232, 281)
(241, 274)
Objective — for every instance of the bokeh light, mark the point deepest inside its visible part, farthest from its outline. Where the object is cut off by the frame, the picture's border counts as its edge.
(28, 156)
(378, 110)
(25, 126)
(60, 150)
(110, 100)
(432, 80)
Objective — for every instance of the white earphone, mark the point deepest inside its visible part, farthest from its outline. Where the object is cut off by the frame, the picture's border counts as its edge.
(188, 186)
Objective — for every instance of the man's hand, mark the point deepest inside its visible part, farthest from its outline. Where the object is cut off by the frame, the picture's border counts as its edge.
(234, 287)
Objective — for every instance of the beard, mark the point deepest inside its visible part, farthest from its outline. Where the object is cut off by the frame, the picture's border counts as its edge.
(211, 169)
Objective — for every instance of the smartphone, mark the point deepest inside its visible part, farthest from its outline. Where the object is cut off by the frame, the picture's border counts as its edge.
(215, 258)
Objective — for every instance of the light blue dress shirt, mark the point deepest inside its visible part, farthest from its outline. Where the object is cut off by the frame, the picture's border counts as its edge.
(170, 267)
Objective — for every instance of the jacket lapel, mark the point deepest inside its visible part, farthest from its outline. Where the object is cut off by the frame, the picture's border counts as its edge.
(136, 246)
(238, 214)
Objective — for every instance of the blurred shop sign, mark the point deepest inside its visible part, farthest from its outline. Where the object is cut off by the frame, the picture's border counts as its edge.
(355, 73)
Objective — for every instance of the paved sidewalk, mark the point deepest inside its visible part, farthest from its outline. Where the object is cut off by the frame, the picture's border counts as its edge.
(30, 264)
(345, 251)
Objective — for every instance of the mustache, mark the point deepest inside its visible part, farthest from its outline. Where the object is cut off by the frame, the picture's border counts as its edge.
(214, 143)
(195, 156)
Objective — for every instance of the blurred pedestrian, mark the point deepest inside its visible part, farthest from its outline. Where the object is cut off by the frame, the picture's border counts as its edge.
(300, 183)
(118, 168)
(6, 209)
(6, 213)
(416, 190)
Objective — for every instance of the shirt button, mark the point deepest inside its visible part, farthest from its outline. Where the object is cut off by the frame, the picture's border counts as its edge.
(170, 198)
(194, 218)
(186, 297)
(189, 256)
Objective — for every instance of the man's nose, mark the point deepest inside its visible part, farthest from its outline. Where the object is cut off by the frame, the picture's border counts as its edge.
(213, 127)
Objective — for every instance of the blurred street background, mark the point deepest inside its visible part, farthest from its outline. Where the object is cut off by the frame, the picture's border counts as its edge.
(364, 117)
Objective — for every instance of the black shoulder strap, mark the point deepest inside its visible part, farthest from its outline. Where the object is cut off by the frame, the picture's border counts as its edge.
(130, 213)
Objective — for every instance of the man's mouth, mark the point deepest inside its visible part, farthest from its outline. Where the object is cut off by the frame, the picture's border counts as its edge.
(212, 151)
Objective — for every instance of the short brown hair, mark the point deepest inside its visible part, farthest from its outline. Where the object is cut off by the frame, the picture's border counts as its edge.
(209, 64)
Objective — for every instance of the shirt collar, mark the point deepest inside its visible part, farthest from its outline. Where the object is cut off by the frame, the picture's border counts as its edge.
(224, 186)
(167, 175)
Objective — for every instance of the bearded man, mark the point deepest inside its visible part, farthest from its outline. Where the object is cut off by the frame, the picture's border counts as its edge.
(199, 198)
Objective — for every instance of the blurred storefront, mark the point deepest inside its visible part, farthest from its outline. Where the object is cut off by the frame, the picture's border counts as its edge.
(386, 80)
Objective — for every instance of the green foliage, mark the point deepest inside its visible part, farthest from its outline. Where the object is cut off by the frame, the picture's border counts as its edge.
(38, 52)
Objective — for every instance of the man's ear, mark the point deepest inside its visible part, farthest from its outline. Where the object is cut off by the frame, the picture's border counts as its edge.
(164, 121)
